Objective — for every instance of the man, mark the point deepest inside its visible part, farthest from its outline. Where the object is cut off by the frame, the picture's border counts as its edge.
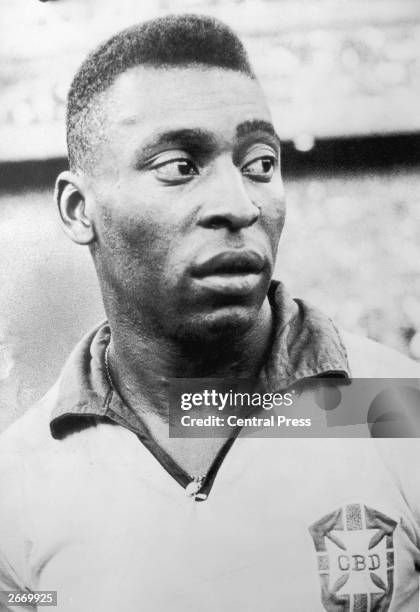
(175, 186)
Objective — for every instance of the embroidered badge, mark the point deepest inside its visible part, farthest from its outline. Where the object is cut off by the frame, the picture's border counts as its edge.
(355, 551)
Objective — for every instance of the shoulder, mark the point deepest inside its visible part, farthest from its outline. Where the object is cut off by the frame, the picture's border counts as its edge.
(369, 359)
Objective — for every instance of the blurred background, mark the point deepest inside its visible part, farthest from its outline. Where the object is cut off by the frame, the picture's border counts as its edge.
(343, 81)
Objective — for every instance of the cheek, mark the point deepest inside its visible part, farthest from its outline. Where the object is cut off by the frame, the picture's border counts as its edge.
(274, 215)
(137, 236)
(124, 217)
(270, 199)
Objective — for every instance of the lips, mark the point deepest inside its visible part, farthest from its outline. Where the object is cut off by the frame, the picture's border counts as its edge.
(230, 263)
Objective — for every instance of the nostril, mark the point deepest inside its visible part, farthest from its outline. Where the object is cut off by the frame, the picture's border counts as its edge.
(216, 222)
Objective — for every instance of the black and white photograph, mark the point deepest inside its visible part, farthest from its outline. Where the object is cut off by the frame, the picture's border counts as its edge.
(210, 305)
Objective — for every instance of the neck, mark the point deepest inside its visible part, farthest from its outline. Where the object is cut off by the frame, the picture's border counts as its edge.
(141, 364)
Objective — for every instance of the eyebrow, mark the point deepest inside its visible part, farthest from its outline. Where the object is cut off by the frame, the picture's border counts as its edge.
(195, 140)
(249, 128)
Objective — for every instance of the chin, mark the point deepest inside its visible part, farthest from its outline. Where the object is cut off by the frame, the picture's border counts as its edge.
(221, 326)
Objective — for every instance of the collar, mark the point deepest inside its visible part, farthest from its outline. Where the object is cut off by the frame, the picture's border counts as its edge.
(306, 344)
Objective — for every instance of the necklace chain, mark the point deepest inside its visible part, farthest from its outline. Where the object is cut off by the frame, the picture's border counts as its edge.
(106, 362)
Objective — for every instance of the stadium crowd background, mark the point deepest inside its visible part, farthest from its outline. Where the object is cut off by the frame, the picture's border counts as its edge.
(343, 80)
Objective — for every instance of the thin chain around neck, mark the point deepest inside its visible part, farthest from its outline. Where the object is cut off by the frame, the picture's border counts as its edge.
(106, 362)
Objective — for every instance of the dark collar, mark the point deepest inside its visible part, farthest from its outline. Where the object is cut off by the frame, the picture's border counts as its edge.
(306, 344)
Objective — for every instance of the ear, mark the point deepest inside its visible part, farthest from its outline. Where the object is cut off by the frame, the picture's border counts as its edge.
(70, 199)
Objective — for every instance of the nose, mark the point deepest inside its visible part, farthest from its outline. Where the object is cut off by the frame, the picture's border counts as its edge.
(228, 202)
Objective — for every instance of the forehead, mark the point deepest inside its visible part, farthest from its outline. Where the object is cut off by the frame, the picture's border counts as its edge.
(157, 99)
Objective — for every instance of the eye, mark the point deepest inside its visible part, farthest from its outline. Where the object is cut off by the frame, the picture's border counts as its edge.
(260, 169)
(175, 170)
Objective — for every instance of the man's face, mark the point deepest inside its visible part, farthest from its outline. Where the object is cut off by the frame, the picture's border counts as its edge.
(187, 199)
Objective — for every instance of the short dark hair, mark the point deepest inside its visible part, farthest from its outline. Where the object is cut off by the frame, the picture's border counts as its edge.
(174, 40)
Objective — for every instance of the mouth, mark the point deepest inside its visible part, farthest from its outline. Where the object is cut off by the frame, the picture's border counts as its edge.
(233, 273)
(230, 263)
